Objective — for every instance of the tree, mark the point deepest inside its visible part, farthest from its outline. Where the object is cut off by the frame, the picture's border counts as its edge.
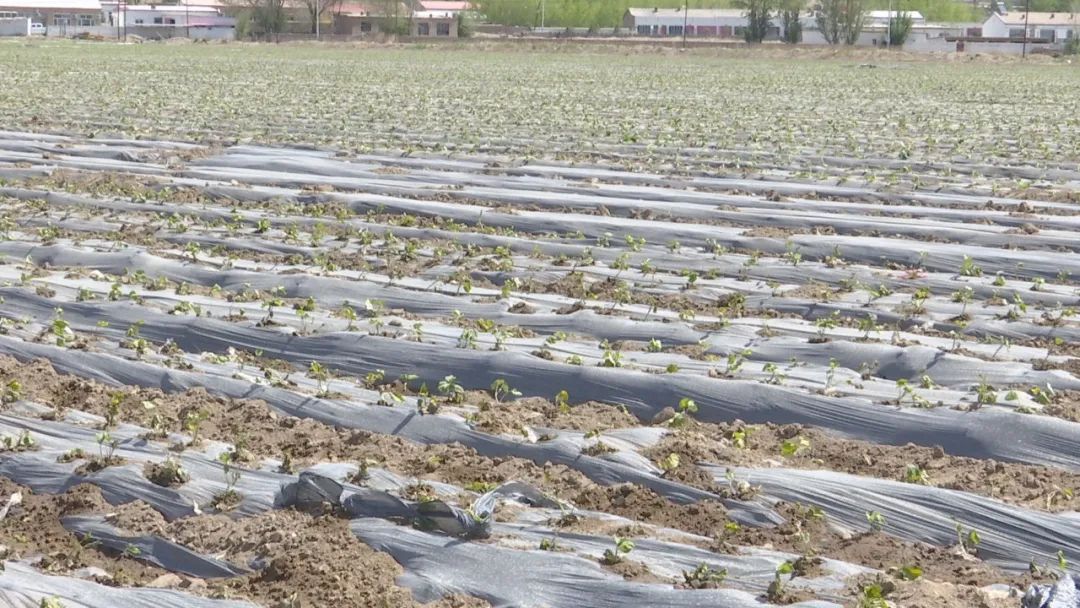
(840, 21)
(260, 18)
(392, 21)
(758, 19)
(790, 24)
(899, 28)
(317, 8)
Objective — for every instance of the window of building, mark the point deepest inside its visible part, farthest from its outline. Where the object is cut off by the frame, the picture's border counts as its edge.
(365, 26)
(1047, 35)
(158, 21)
(1016, 32)
(739, 31)
(8, 15)
(644, 29)
(138, 22)
(674, 30)
(423, 29)
(442, 29)
(170, 21)
(86, 20)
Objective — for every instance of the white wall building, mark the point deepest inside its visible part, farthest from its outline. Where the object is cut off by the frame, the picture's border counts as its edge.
(173, 15)
(60, 14)
(1054, 27)
(712, 23)
(882, 17)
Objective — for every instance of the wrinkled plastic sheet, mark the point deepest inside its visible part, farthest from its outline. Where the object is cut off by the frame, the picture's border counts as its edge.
(1011, 536)
(149, 548)
(23, 587)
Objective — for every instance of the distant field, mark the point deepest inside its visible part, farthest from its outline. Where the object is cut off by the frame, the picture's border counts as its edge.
(543, 102)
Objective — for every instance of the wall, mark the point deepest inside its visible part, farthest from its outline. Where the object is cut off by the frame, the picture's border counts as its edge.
(433, 28)
(19, 26)
(159, 32)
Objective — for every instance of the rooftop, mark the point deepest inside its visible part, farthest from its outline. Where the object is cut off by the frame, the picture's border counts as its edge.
(445, 5)
(75, 5)
(697, 13)
(883, 15)
(1018, 18)
(433, 15)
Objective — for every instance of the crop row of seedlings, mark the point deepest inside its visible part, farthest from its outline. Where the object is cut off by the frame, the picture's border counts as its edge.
(318, 317)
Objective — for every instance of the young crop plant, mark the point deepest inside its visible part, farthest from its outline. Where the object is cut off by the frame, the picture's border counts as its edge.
(735, 361)
(25, 441)
(467, 339)
(623, 547)
(830, 377)
(669, 463)
(968, 268)
(168, 473)
(964, 295)
(12, 391)
(984, 393)
(789, 448)
(868, 324)
(775, 376)
(686, 407)
(319, 373)
(562, 401)
(967, 540)
(611, 358)
(913, 473)
(876, 521)
(229, 498)
(348, 313)
(500, 389)
(192, 423)
(454, 392)
(704, 577)
(776, 592)
(740, 437)
(873, 595)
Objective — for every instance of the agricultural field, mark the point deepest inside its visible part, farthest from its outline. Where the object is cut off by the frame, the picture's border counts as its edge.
(314, 326)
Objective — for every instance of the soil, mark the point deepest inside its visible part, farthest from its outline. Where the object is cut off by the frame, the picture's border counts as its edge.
(312, 560)
(32, 530)
(644, 505)
(510, 416)
(633, 571)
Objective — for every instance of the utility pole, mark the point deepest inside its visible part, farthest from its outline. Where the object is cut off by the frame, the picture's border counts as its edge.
(187, 19)
(685, 19)
(888, 31)
(1027, 14)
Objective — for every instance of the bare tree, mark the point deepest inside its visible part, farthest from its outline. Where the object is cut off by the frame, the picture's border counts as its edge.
(790, 13)
(266, 18)
(317, 8)
(840, 21)
(758, 19)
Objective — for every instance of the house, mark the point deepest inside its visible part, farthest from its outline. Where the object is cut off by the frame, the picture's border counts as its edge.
(700, 22)
(358, 19)
(54, 13)
(438, 24)
(1052, 27)
(874, 18)
(119, 13)
(445, 6)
